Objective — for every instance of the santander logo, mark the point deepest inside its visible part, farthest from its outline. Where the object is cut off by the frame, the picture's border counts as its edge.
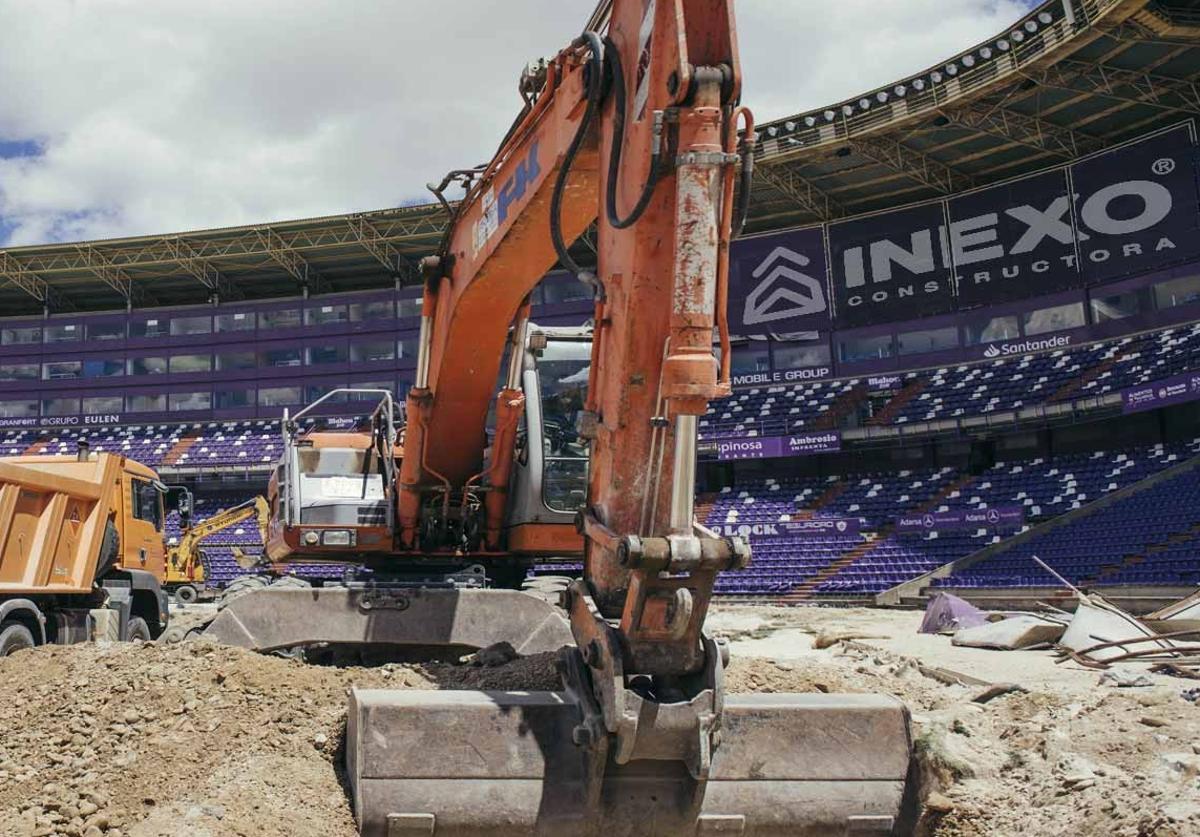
(1022, 347)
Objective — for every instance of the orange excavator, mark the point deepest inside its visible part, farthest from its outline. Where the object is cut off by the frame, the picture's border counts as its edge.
(587, 448)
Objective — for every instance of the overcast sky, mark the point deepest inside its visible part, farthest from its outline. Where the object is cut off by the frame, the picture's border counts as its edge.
(124, 117)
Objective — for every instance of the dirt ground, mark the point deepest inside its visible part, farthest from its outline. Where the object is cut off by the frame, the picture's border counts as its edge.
(201, 740)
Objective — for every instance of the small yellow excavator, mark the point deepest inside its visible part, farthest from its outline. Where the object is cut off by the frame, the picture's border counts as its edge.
(184, 574)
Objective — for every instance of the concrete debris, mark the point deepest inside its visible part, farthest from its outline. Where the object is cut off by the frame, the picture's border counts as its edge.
(1018, 631)
(494, 655)
(828, 639)
(1186, 609)
(1100, 623)
(1125, 677)
(939, 803)
(1187, 764)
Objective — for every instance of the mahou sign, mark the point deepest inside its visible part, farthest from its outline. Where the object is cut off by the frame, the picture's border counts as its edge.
(1130, 210)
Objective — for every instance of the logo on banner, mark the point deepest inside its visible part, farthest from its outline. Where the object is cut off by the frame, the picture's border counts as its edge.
(910, 264)
(841, 525)
(995, 350)
(801, 294)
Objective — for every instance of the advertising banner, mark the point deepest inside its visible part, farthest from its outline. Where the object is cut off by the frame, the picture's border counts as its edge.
(892, 266)
(882, 383)
(777, 284)
(996, 517)
(816, 527)
(90, 420)
(1177, 389)
(1013, 241)
(774, 447)
(1136, 207)
(783, 376)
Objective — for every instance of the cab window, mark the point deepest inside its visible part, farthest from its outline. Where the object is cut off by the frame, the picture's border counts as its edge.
(146, 504)
(563, 369)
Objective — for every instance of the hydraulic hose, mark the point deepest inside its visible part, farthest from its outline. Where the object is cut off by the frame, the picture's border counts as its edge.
(746, 149)
(618, 140)
(595, 84)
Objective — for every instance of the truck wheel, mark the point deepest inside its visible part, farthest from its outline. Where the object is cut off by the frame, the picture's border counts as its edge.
(14, 637)
(138, 629)
(239, 587)
(186, 594)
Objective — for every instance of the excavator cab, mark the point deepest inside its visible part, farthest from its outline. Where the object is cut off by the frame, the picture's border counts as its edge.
(550, 477)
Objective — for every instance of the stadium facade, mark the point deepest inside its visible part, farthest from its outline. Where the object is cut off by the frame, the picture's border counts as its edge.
(995, 260)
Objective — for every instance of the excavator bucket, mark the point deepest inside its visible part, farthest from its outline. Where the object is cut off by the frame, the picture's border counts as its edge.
(606, 757)
(382, 618)
(479, 763)
(503, 763)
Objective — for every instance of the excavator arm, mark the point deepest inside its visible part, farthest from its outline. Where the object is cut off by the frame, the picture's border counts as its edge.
(183, 558)
(633, 130)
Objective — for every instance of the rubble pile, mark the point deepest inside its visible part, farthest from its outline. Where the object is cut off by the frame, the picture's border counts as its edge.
(203, 740)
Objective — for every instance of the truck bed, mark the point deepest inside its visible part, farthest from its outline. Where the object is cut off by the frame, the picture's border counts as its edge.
(53, 514)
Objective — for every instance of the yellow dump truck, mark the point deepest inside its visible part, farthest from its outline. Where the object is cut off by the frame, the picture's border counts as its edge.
(81, 550)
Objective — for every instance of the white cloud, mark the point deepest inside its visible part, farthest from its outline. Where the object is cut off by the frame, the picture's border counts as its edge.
(163, 116)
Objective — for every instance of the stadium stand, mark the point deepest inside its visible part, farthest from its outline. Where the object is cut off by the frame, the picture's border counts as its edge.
(1150, 537)
(861, 564)
(191, 377)
(245, 443)
(966, 390)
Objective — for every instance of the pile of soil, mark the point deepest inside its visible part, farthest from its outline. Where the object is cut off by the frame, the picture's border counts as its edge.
(135, 740)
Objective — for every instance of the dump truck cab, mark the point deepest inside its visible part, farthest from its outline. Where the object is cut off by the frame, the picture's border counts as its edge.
(142, 506)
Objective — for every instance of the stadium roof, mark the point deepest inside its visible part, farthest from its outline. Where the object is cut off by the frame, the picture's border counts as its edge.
(1070, 78)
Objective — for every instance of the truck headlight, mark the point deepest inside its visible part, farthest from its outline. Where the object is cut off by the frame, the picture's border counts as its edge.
(338, 537)
(311, 538)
